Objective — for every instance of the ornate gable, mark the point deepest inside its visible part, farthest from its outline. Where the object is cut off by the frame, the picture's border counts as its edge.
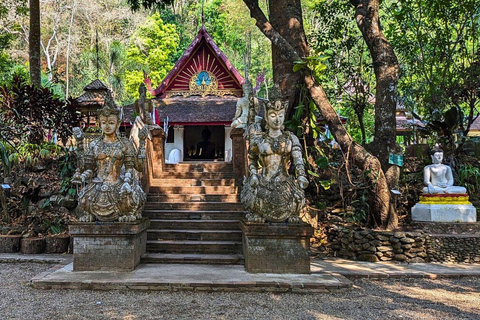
(202, 70)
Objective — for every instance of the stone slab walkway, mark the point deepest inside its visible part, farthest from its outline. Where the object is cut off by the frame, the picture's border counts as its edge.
(328, 275)
(381, 270)
(188, 277)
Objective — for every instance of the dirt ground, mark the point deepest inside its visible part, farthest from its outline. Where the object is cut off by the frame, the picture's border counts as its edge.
(388, 299)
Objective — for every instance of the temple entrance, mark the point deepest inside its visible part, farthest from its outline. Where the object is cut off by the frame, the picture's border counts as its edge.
(204, 143)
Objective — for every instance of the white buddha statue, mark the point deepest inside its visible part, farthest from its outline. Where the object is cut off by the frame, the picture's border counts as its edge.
(438, 177)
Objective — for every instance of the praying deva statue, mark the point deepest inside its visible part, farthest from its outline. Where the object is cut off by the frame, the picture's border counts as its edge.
(240, 119)
(270, 193)
(438, 177)
(111, 190)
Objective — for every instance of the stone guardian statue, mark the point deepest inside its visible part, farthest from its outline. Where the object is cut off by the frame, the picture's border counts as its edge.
(270, 193)
(110, 190)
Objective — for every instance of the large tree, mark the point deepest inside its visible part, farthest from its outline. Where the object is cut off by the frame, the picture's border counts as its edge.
(383, 213)
(34, 43)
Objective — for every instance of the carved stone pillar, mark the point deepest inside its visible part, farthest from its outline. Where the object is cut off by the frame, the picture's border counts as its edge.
(156, 152)
(239, 153)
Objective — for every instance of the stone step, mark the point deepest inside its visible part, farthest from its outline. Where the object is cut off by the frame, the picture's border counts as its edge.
(192, 258)
(194, 235)
(158, 197)
(222, 190)
(193, 215)
(188, 246)
(195, 224)
(194, 175)
(194, 206)
(192, 182)
(199, 167)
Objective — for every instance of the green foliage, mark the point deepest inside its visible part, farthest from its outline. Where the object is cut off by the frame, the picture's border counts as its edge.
(26, 113)
(153, 47)
(469, 176)
(436, 42)
(4, 160)
(349, 77)
(148, 4)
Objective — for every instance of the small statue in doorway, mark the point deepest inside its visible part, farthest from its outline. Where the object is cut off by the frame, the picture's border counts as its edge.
(270, 193)
(243, 106)
(110, 187)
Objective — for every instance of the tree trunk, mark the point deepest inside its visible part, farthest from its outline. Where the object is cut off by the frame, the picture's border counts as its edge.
(385, 65)
(286, 18)
(380, 192)
(34, 43)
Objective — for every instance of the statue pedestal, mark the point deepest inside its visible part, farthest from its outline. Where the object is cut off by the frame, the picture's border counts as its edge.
(444, 208)
(276, 247)
(108, 246)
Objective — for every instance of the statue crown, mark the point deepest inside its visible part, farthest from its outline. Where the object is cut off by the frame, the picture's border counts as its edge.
(110, 108)
(276, 102)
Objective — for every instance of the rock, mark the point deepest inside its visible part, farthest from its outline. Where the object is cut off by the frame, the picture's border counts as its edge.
(382, 237)
(365, 246)
(384, 258)
(394, 240)
(368, 257)
(407, 240)
(388, 254)
(384, 248)
(357, 235)
(416, 260)
(400, 257)
(407, 246)
(399, 234)
(369, 236)
(397, 245)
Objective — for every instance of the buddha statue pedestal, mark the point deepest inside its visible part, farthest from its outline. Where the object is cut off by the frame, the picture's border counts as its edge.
(276, 247)
(108, 246)
(446, 207)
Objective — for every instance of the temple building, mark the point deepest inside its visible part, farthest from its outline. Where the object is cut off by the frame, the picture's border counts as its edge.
(197, 100)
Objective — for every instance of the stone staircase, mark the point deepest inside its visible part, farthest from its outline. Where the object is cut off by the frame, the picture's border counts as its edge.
(194, 211)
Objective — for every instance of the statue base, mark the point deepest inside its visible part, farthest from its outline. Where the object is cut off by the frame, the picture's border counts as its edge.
(444, 208)
(444, 212)
(276, 247)
(108, 246)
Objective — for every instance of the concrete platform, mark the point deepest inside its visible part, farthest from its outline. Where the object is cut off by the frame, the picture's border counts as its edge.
(181, 277)
(383, 270)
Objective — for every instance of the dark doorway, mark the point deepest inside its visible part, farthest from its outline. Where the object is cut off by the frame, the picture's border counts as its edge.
(204, 143)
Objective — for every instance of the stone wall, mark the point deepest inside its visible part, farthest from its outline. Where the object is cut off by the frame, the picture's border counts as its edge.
(453, 248)
(413, 246)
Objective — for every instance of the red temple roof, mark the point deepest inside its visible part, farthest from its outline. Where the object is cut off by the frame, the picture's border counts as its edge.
(202, 56)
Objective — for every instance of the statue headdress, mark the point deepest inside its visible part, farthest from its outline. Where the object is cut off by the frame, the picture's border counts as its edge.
(247, 85)
(275, 101)
(110, 108)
